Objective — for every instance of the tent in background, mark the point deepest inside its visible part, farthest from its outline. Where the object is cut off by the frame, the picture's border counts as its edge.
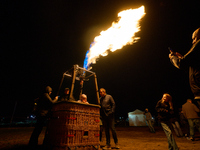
(137, 118)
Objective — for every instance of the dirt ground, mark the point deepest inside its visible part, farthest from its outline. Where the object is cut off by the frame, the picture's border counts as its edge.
(130, 138)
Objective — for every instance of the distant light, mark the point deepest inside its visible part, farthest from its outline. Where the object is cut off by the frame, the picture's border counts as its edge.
(32, 116)
(121, 118)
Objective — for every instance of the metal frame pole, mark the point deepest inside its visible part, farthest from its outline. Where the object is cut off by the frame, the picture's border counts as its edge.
(97, 90)
(73, 81)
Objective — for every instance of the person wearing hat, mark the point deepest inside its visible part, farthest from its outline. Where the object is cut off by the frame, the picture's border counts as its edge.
(43, 110)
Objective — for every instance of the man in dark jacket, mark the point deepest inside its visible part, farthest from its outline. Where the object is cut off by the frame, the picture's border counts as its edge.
(43, 108)
(107, 112)
(191, 62)
(190, 112)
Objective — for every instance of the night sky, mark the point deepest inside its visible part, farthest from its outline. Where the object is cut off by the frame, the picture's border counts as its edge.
(40, 40)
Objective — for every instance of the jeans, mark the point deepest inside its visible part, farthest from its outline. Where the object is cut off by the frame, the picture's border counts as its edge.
(194, 123)
(177, 129)
(170, 138)
(109, 124)
(150, 125)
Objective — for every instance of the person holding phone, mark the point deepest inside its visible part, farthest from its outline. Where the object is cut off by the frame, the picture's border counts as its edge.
(190, 62)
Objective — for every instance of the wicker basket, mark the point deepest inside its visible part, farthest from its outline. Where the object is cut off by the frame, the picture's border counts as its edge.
(74, 125)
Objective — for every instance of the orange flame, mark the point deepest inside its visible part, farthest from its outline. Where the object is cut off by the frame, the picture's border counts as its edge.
(118, 35)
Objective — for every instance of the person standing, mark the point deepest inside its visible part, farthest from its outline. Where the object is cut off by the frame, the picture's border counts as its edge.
(191, 62)
(190, 112)
(149, 120)
(43, 110)
(107, 112)
(163, 110)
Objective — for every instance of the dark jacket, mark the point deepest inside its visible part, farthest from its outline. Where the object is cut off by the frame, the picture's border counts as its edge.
(107, 105)
(183, 119)
(191, 62)
(64, 97)
(173, 116)
(190, 110)
(163, 110)
(45, 103)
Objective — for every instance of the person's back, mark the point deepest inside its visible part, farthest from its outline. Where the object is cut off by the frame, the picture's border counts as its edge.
(190, 110)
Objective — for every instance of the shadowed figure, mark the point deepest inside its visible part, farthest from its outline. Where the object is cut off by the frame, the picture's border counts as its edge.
(148, 118)
(43, 112)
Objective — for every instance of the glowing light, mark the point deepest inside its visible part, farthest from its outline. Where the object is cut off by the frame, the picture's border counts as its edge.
(121, 33)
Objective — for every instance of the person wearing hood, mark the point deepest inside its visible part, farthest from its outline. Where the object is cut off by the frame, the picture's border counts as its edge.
(191, 62)
(44, 106)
